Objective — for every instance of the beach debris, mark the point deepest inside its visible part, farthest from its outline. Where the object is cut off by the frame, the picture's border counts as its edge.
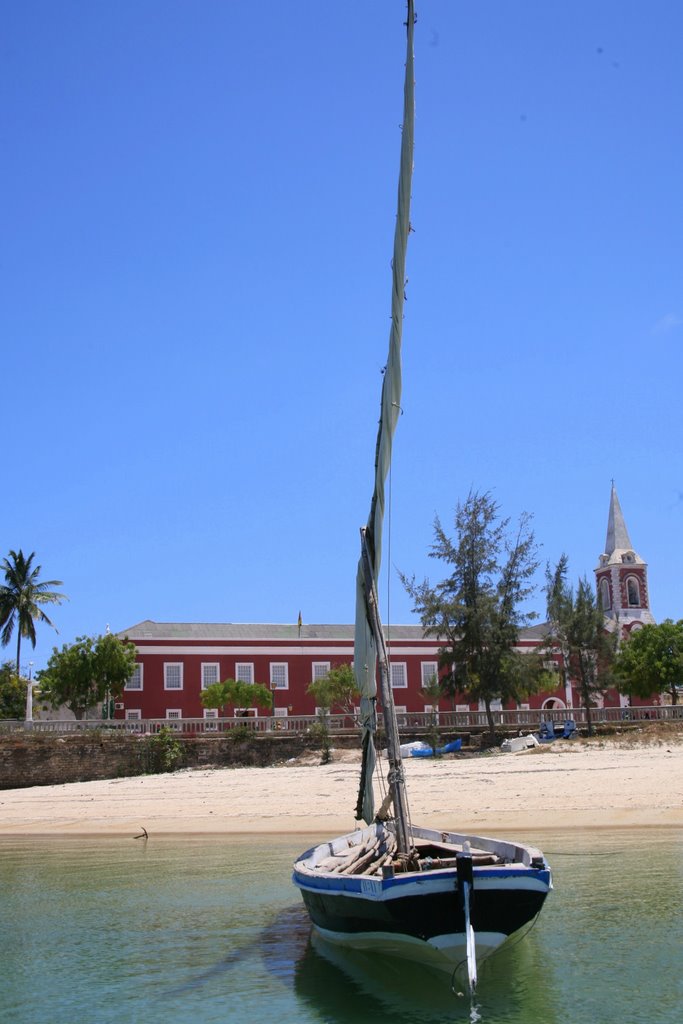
(143, 834)
(518, 743)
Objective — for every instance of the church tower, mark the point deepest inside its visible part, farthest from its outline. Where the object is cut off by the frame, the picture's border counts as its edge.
(621, 576)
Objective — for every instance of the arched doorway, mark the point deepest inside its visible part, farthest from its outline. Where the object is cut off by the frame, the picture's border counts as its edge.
(553, 704)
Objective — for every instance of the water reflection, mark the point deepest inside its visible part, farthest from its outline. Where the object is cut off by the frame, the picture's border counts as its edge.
(346, 985)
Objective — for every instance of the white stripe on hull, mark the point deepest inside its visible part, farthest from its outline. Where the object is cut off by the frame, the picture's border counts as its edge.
(358, 887)
(444, 952)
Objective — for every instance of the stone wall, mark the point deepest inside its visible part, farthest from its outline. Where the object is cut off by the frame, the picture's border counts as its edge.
(28, 759)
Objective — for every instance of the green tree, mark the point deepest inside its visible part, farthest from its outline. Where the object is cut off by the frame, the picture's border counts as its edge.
(651, 661)
(12, 692)
(477, 609)
(86, 672)
(21, 597)
(431, 692)
(577, 631)
(336, 691)
(237, 693)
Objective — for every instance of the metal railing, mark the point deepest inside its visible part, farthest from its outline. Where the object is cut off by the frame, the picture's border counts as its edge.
(340, 724)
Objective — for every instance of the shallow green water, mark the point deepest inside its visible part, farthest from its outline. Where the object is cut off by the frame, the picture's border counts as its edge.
(203, 930)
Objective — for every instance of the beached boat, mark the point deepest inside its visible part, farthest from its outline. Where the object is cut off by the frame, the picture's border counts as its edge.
(440, 897)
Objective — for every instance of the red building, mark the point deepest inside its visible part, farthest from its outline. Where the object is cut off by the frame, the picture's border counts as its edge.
(177, 660)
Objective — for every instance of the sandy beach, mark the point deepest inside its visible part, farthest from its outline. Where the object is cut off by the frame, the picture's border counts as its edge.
(568, 785)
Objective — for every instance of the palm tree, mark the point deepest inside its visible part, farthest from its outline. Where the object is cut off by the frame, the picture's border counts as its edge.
(21, 596)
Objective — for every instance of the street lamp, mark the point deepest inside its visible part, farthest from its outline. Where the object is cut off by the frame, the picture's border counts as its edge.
(29, 697)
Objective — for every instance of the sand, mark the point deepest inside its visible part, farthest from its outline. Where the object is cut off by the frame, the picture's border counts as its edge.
(563, 785)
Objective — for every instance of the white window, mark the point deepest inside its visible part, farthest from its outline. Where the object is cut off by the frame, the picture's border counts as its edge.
(210, 715)
(462, 707)
(210, 674)
(430, 672)
(605, 600)
(135, 681)
(279, 677)
(244, 672)
(245, 713)
(320, 670)
(399, 675)
(280, 712)
(633, 592)
(173, 675)
(174, 713)
(133, 714)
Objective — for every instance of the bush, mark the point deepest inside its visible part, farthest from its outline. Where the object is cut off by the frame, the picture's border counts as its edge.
(320, 733)
(165, 752)
(240, 734)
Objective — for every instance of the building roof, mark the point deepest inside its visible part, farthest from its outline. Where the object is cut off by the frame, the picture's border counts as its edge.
(150, 630)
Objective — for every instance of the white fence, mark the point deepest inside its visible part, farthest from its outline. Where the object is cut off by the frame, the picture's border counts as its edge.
(448, 721)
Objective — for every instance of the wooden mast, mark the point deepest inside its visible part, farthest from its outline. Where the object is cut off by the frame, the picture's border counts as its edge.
(396, 776)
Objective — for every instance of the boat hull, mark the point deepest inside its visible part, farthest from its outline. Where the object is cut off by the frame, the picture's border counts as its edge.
(420, 915)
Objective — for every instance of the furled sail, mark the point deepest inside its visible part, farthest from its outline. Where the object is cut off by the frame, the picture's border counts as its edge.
(365, 651)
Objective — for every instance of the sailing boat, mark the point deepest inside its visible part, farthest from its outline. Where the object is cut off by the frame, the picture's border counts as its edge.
(443, 898)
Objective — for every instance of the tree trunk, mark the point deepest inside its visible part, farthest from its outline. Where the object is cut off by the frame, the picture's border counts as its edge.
(489, 716)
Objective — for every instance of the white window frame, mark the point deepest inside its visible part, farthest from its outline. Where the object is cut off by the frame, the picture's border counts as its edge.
(173, 664)
(425, 675)
(174, 715)
(210, 718)
(245, 713)
(401, 685)
(280, 712)
(210, 664)
(133, 715)
(279, 665)
(240, 673)
(138, 671)
(319, 669)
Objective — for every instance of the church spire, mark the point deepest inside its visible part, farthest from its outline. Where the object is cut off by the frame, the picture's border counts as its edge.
(621, 576)
(617, 534)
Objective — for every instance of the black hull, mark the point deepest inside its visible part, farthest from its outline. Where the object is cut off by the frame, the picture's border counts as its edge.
(425, 917)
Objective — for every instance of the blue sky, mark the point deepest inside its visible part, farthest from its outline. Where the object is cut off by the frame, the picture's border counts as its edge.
(198, 209)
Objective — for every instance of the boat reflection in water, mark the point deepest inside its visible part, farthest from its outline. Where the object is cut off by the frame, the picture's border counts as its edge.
(345, 985)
